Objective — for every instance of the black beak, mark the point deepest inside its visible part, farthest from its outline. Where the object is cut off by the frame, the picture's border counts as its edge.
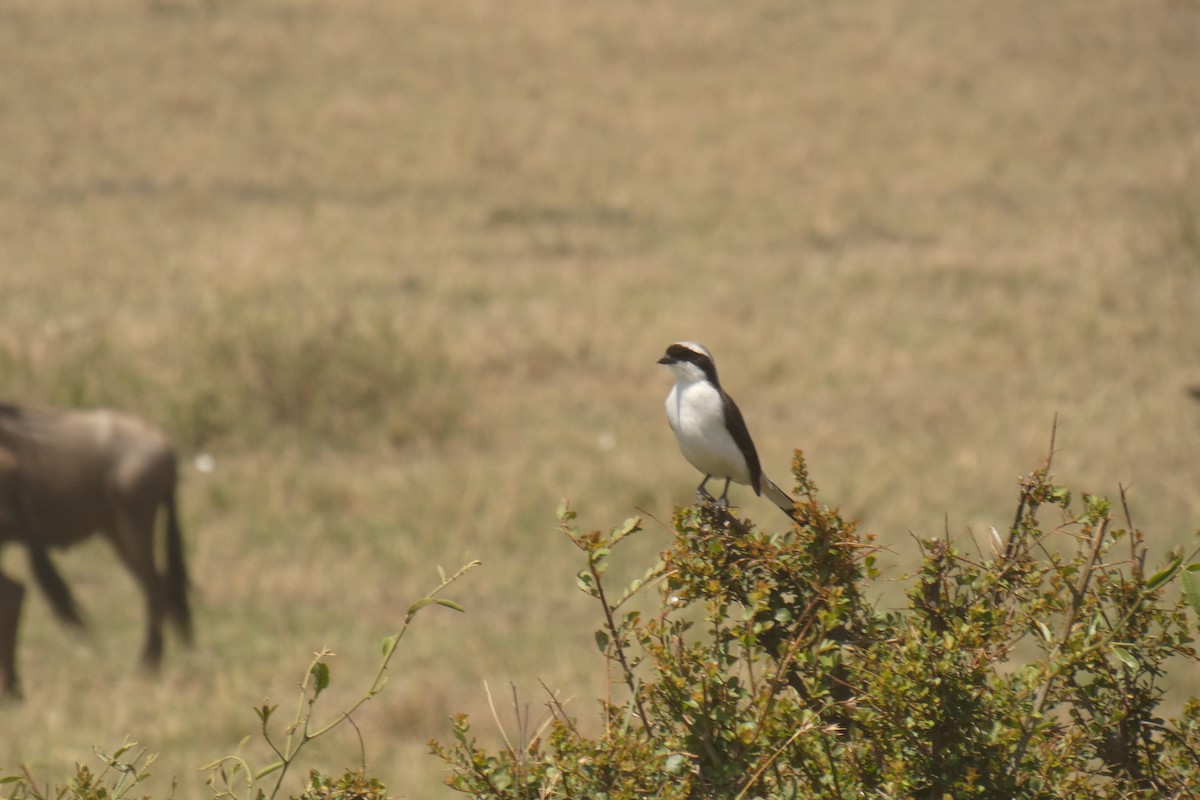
(666, 360)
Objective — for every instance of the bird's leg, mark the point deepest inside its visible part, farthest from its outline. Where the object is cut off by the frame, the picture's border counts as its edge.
(723, 500)
(701, 492)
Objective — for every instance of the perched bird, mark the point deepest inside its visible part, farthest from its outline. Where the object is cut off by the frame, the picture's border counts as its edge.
(709, 427)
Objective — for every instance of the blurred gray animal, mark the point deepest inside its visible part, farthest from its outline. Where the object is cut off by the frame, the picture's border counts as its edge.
(65, 475)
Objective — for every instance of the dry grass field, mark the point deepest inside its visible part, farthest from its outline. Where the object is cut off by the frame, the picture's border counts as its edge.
(404, 269)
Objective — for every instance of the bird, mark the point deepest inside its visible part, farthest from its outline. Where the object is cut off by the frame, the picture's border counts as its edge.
(709, 427)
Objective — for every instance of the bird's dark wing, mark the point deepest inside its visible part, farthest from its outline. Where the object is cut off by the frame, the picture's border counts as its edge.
(737, 428)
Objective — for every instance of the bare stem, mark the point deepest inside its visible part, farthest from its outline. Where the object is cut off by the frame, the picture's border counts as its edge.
(619, 648)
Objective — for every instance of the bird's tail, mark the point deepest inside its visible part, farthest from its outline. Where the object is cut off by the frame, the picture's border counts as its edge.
(779, 497)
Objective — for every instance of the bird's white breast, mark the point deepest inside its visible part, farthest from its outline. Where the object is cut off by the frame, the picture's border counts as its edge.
(696, 413)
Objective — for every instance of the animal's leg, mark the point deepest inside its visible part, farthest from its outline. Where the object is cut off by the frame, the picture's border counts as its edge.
(175, 580)
(11, 595)
(701, 491)
(723, 500)
(134, 541)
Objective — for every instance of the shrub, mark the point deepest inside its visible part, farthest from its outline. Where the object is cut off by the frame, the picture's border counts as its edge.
(758, 667)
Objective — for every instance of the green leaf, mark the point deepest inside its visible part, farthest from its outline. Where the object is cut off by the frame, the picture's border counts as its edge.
(265, 712)
(389, 644)
(501, 779)
(1191, 588)
(1126, 658)
(602, 641)
(267, 770)
(1046, 634)
(450, 604)
(417, 606)
(1165, 574)
(320, 672)
(1097, 507)
(632, 525)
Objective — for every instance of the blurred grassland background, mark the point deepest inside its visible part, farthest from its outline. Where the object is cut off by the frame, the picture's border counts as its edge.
(404, 269)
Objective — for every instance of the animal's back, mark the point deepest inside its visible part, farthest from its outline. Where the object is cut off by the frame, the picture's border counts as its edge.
(77, 466)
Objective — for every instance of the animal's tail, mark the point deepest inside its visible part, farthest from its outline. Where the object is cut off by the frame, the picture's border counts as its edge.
(52, 584)
(177, 578)
(779, 497)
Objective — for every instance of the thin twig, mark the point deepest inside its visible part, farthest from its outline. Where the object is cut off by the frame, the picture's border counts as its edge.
(1076, 602)
(771, 759)
(29, 780)
(785, 664)
(1010, 549)
(619, 648)
(1137, 559)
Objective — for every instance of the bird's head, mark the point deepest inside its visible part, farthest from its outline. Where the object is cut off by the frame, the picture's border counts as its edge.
(690, 361)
